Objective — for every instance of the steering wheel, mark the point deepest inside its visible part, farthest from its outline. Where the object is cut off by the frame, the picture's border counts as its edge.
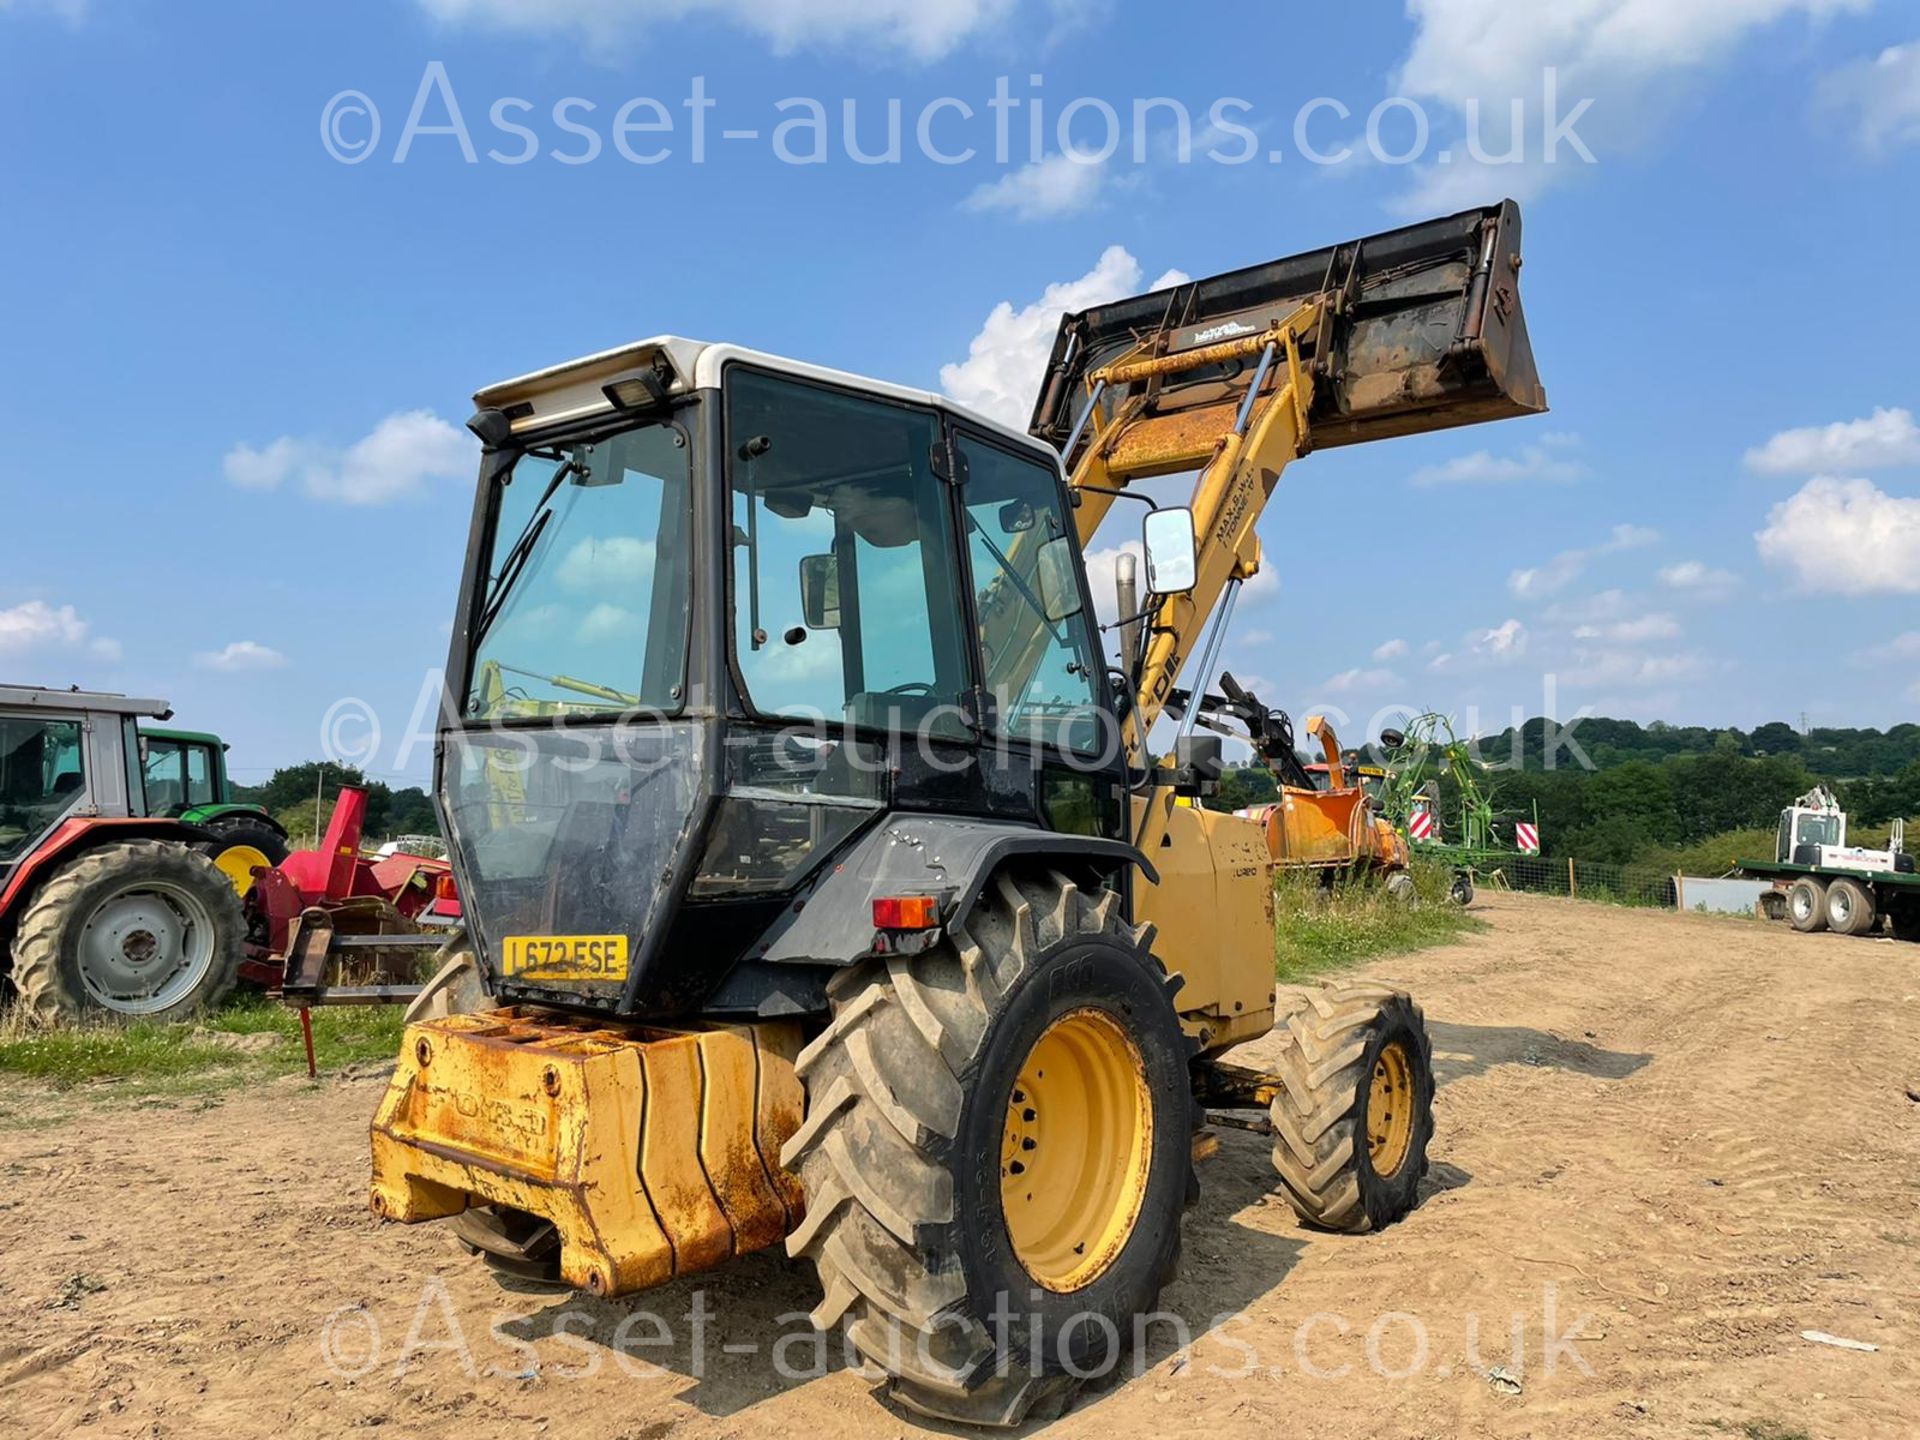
(911, 687)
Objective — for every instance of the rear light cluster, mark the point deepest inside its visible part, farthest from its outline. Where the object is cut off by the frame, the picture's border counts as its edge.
(906, 912)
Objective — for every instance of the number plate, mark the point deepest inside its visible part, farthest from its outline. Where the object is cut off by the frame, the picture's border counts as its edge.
(565, 957)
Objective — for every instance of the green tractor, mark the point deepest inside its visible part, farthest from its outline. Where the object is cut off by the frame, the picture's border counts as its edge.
(184, 773)
(123, 860)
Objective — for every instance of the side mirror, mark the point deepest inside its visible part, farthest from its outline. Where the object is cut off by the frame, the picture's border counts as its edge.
(1168, 539)
(1016, 517)
(1059, 587)
(820, 591)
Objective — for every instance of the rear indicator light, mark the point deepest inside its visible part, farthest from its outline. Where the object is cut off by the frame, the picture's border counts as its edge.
(906, 912)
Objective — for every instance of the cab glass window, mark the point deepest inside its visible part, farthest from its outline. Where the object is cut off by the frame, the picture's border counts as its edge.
(1042, 667)
(42, 775)
(845, 599)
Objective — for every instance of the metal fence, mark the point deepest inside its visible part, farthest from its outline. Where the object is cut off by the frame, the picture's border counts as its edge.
(1583, 880)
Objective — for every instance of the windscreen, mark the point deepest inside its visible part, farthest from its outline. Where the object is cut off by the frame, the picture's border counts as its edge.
(585, 606)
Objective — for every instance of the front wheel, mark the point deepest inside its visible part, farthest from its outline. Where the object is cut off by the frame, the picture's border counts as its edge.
(1354, 1114)
(143, 929)
(997, 1152)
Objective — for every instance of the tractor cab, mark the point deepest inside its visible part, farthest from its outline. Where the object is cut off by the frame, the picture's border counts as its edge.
(725, 613)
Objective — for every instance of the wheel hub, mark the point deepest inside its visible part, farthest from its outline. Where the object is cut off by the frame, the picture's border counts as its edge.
(143, 948)
(1075, 1150)
(1390, 1109)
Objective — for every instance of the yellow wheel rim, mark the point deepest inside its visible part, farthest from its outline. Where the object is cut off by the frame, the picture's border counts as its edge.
(1076, 1150)
(1390, 1107)
(237, 863)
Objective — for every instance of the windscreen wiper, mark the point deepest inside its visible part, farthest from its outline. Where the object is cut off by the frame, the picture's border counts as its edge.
(516, 558)
(1020, 586)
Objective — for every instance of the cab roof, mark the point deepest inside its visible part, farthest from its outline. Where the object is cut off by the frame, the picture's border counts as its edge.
(577, 389)
(76, 700)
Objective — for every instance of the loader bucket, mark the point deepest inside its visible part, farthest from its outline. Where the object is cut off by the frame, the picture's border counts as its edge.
(1425, 333)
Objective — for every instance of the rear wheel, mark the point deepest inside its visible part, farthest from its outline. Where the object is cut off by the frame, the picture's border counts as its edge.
(1807, 906)
(1401, 887)
(1906, 922)
(1850, 908)
(1354, 1115)
(1461, 891)
(142, 929)
(997, 1152)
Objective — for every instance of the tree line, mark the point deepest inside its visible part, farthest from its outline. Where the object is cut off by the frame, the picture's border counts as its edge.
(289, 795)
(1672, 795)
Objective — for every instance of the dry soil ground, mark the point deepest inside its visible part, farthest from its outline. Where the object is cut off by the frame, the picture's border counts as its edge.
(1680, 1141)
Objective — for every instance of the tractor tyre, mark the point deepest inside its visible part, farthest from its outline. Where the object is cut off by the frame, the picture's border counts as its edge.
(1461, 892)
(1402, 889)
(141, 929)
(240, 843)
(1850, 908)
(1807, 906)
(1354, 1115)
(997, 1152)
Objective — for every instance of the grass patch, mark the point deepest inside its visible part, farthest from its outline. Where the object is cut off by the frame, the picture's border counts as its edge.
(1318, 930)
(1759, 1430)
(249, 1039)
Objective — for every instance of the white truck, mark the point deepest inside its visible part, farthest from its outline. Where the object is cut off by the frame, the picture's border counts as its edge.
(1820, 882)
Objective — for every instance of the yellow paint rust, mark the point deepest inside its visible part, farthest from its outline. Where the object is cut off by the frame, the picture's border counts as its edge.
(643, 1146)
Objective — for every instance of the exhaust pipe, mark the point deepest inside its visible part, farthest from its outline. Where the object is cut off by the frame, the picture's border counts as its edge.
(1126, 584)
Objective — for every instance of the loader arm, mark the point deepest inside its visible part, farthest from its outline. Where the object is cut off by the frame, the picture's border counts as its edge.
(1242, 447)
(1237, 376)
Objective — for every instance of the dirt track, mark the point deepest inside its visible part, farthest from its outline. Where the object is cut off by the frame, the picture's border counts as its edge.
(1692, 1132)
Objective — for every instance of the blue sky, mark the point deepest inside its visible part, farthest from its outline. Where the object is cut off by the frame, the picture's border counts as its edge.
(234, 368)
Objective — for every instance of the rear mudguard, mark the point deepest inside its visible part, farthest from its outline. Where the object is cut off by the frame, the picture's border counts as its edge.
(947, 858)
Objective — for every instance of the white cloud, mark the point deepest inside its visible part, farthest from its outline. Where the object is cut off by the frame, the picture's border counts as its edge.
(919, 29)
(1624, 668)
(1100, 569)
(1541, 464)
(1630, 537)
(1637, 631)
(34, 627)
(396, 461)
(1045, 190)
(602, 564)
(1846, 537)
(1005, 362)
(1887, 439)
(1348, 681)
(239, 656)
(1882, 95)
(1694, 577)
(1550, 578)
(1569, 565)
(1392, 650)
(1901, 647)
(1632, 58)
(610, 622)
(1503, 642)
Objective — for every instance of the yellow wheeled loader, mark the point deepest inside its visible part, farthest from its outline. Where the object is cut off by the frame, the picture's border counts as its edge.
(817, 855)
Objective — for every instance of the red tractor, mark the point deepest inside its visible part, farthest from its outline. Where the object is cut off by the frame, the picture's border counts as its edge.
(106, 906)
